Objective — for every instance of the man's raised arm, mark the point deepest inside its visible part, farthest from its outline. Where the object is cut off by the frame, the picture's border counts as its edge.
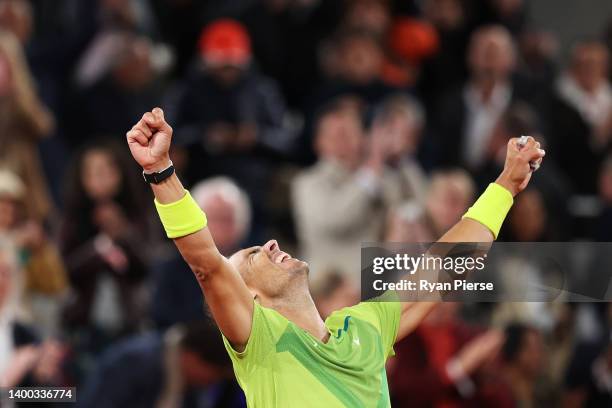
(482, 222)
(227, 296)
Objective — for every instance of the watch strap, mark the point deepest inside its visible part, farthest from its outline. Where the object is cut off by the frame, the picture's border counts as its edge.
(159, 176)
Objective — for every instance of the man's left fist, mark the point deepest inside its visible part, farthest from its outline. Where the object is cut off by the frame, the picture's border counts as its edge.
(517, 169)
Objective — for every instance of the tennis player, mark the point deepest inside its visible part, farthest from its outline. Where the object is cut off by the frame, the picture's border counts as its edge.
(283, 353)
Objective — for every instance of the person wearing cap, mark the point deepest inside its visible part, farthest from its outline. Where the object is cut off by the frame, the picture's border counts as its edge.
(230, 117)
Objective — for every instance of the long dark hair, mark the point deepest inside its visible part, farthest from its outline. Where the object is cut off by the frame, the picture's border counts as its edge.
(130, 197)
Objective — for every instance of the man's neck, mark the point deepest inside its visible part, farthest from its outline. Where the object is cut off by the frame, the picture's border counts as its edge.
(485, 88)
(302, 311)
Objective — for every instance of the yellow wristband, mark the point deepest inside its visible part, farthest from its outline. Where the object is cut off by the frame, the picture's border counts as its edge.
(182, 217)
(491, 208)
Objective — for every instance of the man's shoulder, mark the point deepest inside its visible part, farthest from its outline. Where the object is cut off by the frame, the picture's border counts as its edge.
(323, 171)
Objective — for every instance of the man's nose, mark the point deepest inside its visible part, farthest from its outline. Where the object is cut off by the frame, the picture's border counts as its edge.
(271, 246)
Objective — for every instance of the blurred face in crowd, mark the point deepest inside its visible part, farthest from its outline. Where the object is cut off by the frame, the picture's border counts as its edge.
(100, 175)
(370, 15)
(404, 133)
(222, 222)
(361, 59)
(528, 217)
(270, 273)
(445, 14)
(340, 138)
(491, 54)
(8, 213)
(134, 69)
(590, 64)
(448, 198)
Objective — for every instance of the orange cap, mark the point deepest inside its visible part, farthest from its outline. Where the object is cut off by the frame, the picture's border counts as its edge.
(413, 40)
(225, 42)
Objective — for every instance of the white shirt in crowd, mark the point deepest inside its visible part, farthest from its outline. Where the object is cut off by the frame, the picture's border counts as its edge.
(482, 117)
(594, 107)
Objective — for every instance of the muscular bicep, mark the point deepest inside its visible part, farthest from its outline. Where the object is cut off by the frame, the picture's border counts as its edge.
(227, 296)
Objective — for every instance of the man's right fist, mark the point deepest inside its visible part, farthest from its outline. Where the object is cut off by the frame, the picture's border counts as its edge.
(149, 141)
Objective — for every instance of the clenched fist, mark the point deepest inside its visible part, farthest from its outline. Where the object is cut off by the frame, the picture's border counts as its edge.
(149, 141)
(517, 171)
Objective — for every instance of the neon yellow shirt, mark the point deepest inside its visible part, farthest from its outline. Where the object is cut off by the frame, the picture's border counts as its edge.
(285, 366)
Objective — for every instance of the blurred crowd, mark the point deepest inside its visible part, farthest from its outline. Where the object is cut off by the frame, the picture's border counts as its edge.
(323, 124)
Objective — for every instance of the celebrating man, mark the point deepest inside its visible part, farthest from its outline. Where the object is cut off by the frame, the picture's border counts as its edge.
(284, 354)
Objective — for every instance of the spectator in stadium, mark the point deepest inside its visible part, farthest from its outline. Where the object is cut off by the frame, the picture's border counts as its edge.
(129, 83)
(103, 234)
(524, 359)
(352, 62)
(440, 362)
(45, 280)
(176, 295)
(401, 119)
(230, 120)
(24, 121)
(228, 110)
(342, 200)
(585, 88)
(468, 116)
(184, 366)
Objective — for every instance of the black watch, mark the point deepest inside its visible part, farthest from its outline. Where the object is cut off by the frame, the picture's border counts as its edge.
(159, 176)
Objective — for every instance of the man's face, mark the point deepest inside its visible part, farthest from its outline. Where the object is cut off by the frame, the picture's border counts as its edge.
(590, 65)
(491, 55)
(222, 223)
(268, 271)
(404, 135)
(340, 137)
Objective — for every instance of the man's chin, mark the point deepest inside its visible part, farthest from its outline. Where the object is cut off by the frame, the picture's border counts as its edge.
(295, 265)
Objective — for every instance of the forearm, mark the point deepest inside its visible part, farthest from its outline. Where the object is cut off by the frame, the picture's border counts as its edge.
(197, 248)
(169, 190)
(229, 299)
(480, 225)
